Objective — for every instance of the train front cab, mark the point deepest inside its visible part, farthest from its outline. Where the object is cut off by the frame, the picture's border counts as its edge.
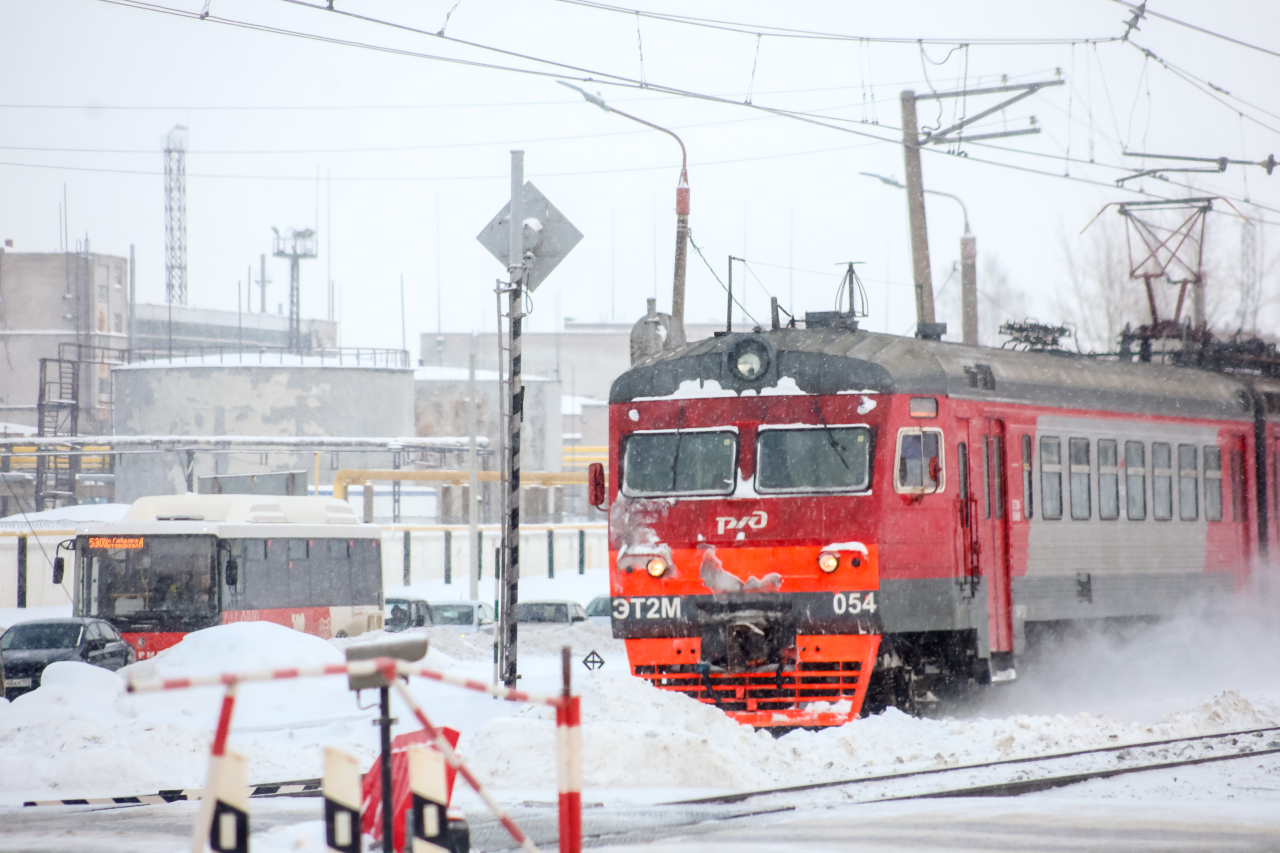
(746, 573)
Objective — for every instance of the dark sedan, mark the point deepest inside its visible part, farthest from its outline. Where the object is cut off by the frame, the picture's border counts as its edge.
(28, 647)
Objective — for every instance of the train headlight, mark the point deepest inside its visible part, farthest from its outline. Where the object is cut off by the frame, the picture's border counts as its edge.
(828, 562)
(656, 567)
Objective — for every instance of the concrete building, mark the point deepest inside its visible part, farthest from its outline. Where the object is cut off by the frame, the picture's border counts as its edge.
(584, 357)
(300, 399)
(49, 303)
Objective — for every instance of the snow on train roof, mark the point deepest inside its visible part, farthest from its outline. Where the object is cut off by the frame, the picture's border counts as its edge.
(830, 361)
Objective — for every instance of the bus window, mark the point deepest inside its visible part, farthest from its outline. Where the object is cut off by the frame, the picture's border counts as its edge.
(366, 571)
(157, 583)
(821, 459)
(666, 463)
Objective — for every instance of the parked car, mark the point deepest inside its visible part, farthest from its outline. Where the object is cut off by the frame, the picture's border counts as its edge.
(464, 617)
(28, 647)
(401, 614)
(566, 612)
(600, 610)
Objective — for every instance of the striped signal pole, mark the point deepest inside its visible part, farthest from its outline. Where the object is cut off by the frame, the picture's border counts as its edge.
(569, 762)
(507, 667)
(342, 796)
(429, 828)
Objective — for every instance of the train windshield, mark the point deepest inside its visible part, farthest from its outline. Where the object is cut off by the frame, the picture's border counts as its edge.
(816, 459)
(667, 463)
(149, 583)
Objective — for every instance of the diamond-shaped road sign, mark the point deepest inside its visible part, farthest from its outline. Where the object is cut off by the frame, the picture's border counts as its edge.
(593, 661)
(547, 234)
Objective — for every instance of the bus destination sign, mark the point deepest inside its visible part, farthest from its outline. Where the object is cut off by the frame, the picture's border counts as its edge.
(117, 543)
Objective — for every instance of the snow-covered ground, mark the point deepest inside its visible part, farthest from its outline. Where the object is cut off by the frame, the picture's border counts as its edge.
(81, 735)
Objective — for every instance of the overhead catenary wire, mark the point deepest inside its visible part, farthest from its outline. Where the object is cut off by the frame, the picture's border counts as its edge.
(1143, 10)
(719, 281)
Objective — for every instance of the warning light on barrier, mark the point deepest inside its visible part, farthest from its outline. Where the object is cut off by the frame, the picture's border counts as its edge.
(593, 661)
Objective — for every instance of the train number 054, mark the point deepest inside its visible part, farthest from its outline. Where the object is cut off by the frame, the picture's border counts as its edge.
(854, 602)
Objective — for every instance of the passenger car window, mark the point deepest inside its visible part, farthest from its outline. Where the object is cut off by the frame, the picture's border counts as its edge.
(1135, 480)
(1081, 472)
(920, 466)
(1212, 484)
(1161, 481)
(834, 458)
(1188, 483)
(93, 632)
(1108, 480)
(665, 463)
(1050, 478)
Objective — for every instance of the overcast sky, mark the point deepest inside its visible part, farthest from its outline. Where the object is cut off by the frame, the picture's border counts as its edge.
(417, 149)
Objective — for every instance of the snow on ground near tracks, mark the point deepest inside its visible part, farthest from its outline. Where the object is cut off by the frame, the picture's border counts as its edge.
(81, 735)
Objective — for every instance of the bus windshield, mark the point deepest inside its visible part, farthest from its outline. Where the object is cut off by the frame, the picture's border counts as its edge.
(666, 463)
(149, 583)
(819, 459)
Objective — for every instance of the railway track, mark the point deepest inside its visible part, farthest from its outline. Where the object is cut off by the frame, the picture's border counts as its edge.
(1014, 776)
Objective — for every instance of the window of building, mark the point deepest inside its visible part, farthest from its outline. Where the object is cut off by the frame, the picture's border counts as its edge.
(119, 324)
(1212, 483)
(1108, 479)
(1135, 480)
(1188, 482)
(1161, 481)
(920, 463)
(1081, 474)
(1050, 478)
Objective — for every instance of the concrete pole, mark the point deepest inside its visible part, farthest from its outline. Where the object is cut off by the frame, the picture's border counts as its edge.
(1197, 302)
(675, 334)
(473, 481)
(969, 288)
(511, 565)
(921, 273)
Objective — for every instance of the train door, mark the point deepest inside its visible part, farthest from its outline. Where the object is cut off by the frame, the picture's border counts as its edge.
(988, 464)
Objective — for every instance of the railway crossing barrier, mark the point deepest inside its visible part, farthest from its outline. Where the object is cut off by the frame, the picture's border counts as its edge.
(222, 821)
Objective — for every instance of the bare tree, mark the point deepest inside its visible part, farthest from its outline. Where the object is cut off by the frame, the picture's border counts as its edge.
(1099, 297)
(998, 299)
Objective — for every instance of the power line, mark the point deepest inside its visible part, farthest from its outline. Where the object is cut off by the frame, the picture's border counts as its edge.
(788, 32)
(1200, 86)
(1143, 10)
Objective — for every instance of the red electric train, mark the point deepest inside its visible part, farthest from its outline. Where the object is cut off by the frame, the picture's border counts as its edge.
(811, 524)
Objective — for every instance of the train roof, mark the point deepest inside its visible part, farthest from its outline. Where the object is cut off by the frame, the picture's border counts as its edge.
(838, 361)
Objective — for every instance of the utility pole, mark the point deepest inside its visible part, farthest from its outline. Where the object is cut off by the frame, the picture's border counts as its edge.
(175, 216)
(473, 481)
(921, 274)
(969, 288)
(515, 314)
(263, 281)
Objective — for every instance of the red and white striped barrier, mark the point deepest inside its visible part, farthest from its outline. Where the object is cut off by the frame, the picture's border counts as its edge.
(568, 734)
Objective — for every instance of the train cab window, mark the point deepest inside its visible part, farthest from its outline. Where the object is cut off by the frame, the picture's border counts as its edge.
(1028, 493)
(1135, 480)
(813, 459)
(1050, 478)
(920, 462)
(676, 462)
(1212, 484)
(1108, 479)
(1161, 481)
(1081, 473)
(1188, 483)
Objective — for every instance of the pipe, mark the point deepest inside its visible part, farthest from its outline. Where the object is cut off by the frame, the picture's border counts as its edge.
(349, 476)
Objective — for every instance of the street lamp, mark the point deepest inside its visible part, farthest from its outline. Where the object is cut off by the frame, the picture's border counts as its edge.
(675, 334)
(968, 264)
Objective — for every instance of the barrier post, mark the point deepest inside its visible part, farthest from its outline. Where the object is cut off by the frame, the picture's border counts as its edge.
(569, 761)
(217, 755)
(428, 818)
(341, 801)
(229, 826)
